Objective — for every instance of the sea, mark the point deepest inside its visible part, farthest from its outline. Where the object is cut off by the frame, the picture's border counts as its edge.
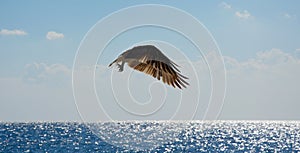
(151, 136)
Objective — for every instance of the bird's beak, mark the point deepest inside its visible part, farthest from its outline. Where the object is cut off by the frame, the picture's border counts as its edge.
(112, 62)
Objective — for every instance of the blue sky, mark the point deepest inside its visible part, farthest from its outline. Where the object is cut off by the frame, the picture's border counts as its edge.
(74, 19)
(245, 32)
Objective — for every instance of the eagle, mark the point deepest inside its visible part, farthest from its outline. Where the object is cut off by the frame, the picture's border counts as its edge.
(150, 60)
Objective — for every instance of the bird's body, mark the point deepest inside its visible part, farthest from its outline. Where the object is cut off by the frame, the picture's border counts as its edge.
(152, 61)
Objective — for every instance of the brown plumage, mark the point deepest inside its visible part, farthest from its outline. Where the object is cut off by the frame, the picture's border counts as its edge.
(152, 61)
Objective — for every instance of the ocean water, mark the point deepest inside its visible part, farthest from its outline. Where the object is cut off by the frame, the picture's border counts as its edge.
(190, 136)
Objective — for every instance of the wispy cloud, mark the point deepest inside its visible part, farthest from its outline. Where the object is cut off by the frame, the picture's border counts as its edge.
(240, 14)
(288, 16)
(225, 5)
(263, 60)
(243, 15)
(52, 35)
(41, 72)
(268, 80)
(297, 52)
(13, 32)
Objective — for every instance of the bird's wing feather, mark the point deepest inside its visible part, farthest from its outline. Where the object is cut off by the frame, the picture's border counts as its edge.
(152, 61)
(162, 71)
(147, 53)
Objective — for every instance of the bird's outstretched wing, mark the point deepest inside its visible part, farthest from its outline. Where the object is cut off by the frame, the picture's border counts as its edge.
(156, 64)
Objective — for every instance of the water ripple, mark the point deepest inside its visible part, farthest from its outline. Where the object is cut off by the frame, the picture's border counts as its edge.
(198, 136)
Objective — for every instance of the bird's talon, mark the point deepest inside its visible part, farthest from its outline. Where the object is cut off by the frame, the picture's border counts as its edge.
(120, 67)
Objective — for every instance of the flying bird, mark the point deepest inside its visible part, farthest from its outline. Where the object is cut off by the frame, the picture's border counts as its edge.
(152, 61)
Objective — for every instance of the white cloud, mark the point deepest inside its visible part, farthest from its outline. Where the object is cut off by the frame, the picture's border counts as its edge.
(52, 35)
(263, 60)
(243, 15)
(21, 101)
(263, 87)
(297, 52)
(12, 32)
(286, 15)
(41, 73)
(289, 16)
(225, 5)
